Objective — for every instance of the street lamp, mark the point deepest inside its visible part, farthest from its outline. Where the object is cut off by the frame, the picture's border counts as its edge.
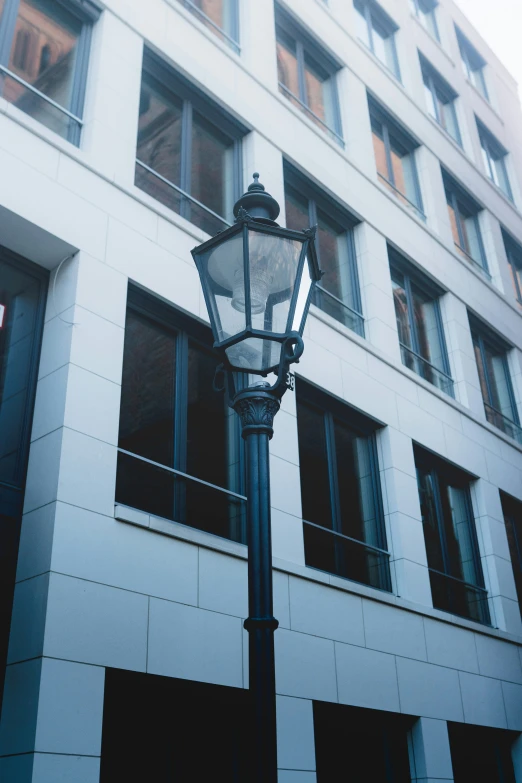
(258, 280)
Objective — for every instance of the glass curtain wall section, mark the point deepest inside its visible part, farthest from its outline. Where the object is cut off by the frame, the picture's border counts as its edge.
(377, 32)
(343, 521)
(514, 257)
(419, 325)
(188, 152)
(473, 64)
(306, 76)
(495, 380)
(480, 754)
(220, 16)
(457, 583)
(338, 292)
(425, 12)
(494, 159)
(44, 52)
(370, 745)
(440, 100)
(465, 227)
(512, 510)
(394, 153)
(180, 452)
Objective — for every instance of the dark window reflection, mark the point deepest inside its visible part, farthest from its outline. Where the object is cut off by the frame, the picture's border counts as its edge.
(481, 755)
(513, 518)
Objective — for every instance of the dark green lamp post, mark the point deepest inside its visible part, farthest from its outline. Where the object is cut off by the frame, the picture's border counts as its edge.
(258, 280)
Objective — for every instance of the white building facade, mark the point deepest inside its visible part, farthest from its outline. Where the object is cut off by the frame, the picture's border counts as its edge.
(127, 131)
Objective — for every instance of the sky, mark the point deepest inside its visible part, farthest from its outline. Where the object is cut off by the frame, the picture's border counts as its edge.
(500, 23)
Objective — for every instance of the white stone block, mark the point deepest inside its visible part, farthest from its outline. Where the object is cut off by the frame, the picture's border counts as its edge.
(287, 537)
(285, 486)
(36, 542)
(497, 658)
(450, 646)
(393, 630)
(512, 695)
(305, 666)
(87, 472)
(323, 611)
(429, 691)
(223, 583)
(28, 619)
(366, 678)
(431, 750)
(295, 734)
(20, 707)
(482, 701)
(65, 769)
(43, 471)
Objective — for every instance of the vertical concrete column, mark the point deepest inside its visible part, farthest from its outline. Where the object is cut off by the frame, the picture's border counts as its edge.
(295, 740)
(495, 557)
(461, 355)
(409, 566)
(355, 119)
(433, 195)
(376, 291)
(52, 722)
(431, 751)
(495, 251)
(262, 156)
(112, 99)
(258, 44)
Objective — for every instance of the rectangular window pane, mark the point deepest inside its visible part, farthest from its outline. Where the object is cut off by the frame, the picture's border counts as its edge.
(43, 54)
(287, 69)
(471, 232)
(217, 15)
(335, 261)
(498, 382)
(212, 171)
(513, 518)
(315, 481)
(296, 207)
(427, 326)
(361, 26)
(431, 102)
(380, 153)
(481, 755)
(384, 47)
(401, 310)
(501, 176)
(319, 93)
(454, 218)
(450, 123)
(404, 173)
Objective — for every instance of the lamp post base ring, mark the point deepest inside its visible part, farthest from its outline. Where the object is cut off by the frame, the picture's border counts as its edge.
(260, 623)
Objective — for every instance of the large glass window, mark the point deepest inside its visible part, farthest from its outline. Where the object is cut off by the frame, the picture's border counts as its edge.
(307, 75)
(359, 745)
(44, 50)
(473, 64)
(180, 451)
(465, 227)
(495, 380)
(338, 292)
(513, 518)
(395, 158)
(342, 507)
(481, 754)
(377, 31)
(514, 257)
(425, 12)
(220, 16)
(419, 325)
(494, 159)
(188, 152)
(440, 100)
(457, 583)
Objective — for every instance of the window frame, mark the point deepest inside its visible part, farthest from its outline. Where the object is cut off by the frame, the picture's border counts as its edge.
(402, 138)
(439, 468)
(373, 13)
(473, 63)
(296, 181)
(418, 6)
(172, 83)
(428, 288)
(512, 512)
(331, 408)
(184, 329)
(286, 27)
(440, 91)
(457, 197)
(513, 250)
(87, 13)
(494, 152)
(486, 338)
(231, 39)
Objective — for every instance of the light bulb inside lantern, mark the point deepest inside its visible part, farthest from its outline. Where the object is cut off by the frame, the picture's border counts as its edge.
(261, 280)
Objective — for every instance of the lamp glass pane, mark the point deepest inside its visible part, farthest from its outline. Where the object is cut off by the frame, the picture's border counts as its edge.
(255, 354)
(221, 270)
(302, 298)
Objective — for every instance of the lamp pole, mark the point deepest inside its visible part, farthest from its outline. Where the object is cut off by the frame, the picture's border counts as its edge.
(258, 280)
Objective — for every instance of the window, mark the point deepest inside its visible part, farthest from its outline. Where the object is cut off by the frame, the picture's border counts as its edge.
(338, 292)
(513, 518)
(419, 324)
(440, 100)
(473, 64)
(221, 17)
(481, 754)
(306, 75)
(342, 507)
(463, 213)
(368, 745)
(514, 257)
(377, 31)
(395, 158)
(144, 712)
(457, 584)
(494, 158)
(180, 450)
(495, 380)
(425, 12)
(188, 152)
(44, 50)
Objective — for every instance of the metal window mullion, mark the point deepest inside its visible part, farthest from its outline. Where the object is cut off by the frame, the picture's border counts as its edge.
(440, 521)
(482, 351)
(299, 48)
(474, 540)
(442, 338)
(377, 493)
(514, 271)
(411, 315)
(333, 476)
(458, 220)
(180, 424)
(354, 272)
(369, 22)
(80, 80)
(482, 249)
(7, 29)
(433, 91)
(511, 394)
(186, 156)
(387, 152)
